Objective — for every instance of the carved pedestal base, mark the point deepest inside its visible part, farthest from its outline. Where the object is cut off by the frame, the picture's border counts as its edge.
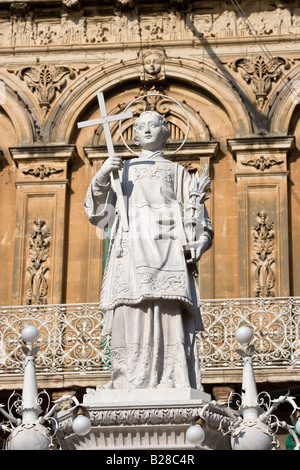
(142, 420)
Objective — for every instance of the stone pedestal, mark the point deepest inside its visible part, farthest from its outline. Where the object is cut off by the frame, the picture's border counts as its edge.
(150, 419)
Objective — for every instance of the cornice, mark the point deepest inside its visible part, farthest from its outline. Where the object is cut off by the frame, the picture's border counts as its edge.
(260, 143)
(25, 154)
(235, 42)
(190, 150)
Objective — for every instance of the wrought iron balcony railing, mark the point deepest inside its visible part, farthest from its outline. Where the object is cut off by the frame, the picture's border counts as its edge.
(70, 335)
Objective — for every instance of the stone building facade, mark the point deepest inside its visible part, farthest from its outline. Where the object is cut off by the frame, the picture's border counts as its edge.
(235, 69)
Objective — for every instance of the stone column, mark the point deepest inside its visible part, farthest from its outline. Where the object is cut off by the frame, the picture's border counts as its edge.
(41, 185)
(261, 178)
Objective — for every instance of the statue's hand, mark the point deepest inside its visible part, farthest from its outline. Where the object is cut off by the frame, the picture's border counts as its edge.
(196, 249)
(111, 164)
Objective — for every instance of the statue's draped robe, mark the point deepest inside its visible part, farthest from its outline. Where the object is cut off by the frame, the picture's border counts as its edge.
(148, 292)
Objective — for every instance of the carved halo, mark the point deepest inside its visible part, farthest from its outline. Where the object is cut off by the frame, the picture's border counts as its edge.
(168, 98)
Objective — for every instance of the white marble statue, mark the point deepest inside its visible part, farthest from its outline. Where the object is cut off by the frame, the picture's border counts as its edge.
(149, 293)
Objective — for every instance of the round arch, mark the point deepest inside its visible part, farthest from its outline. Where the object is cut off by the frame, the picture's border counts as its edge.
(73, 103)
(17, 114)
(285, 103)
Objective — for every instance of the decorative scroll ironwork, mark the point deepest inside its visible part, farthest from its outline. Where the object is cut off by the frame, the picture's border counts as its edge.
(69, 338)
(263, 247)
(275, 322)
(38, 254)
(70, 335)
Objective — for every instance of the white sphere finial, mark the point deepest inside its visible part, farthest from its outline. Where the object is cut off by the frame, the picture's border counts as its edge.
(81, 425)
(30, 334)
(244, 335)
(195, 434)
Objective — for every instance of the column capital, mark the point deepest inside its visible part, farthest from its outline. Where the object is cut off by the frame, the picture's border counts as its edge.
(261, 155)
(42, 163)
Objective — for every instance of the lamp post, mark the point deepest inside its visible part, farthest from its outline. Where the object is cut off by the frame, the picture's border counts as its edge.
(253, 426)
(252, 432)
(35, 430)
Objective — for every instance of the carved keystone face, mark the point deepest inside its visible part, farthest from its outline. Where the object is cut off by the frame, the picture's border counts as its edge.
(152, 64)
(149, 133)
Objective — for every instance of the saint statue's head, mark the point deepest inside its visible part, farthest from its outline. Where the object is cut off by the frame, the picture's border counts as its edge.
(151, 131)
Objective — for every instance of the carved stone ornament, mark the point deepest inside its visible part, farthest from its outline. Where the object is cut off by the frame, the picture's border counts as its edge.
(153, 101)
(72, 4)
(38, 255)
(263, 247)
(42, 171)
(127, 3)
(151, 416)
(139, 427)
(260, 73)
(262, 163)
(27, 28)
(19, 7)
(153, 66)
(45, 81)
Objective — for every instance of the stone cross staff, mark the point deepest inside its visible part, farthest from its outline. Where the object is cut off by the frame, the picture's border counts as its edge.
(105, 120)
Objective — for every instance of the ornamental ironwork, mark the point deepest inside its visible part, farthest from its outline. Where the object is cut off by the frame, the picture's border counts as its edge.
(70, 335)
